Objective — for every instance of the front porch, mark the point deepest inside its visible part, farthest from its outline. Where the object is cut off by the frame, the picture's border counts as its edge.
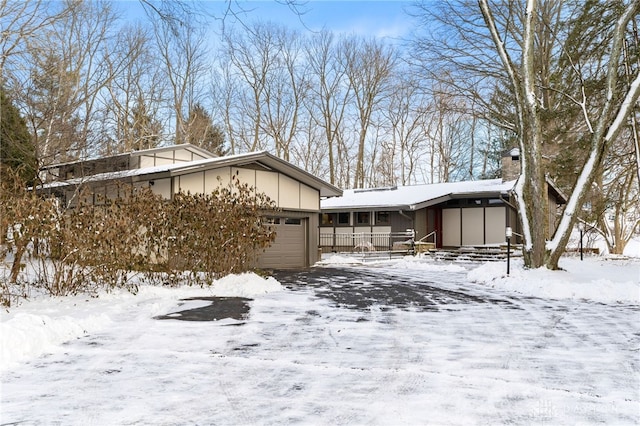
(369, 242)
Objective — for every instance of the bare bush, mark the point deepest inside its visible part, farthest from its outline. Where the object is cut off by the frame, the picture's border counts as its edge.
(102, 243)
(219, 233)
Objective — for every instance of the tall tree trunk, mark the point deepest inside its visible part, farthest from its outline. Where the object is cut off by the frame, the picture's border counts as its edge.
(611, 119)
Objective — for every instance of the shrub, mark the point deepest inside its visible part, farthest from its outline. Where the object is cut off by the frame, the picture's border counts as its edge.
(90, 246)
(219, 233)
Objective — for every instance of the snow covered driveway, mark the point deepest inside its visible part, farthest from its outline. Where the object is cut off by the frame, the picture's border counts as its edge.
(344, 345)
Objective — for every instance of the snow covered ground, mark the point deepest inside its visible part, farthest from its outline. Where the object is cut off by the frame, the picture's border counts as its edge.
(537, 347)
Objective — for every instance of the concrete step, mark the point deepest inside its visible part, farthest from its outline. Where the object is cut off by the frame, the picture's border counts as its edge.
(474, 254)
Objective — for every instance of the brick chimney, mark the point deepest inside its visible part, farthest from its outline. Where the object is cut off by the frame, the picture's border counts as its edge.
(510, 164)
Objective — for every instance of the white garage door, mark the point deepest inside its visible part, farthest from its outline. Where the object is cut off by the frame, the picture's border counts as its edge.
(289, 250)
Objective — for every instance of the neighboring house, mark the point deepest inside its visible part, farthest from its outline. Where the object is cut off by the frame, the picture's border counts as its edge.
(168, 170)
(453, 214)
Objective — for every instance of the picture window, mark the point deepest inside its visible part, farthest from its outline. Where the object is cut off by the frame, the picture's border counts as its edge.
(343, 218)
(363, 218)
(383, 218)
(328, 219)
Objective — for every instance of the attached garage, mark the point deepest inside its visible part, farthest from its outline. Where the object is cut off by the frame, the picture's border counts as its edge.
(169, 170)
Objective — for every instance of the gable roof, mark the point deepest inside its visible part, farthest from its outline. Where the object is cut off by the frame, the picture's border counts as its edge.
(260, 159)
(187, 146)
(415, 197)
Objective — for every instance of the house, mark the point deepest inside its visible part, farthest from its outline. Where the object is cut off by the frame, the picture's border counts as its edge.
(187, 168)
(448, 215)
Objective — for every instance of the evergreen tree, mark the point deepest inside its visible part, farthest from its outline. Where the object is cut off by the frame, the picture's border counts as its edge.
(53, 104)
(203, 132)
(16, 147)
(144, 129)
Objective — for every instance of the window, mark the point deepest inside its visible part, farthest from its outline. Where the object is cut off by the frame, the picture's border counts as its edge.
(343, 218)
(383, 218)
(328, 219)
(363, 218)
(292, 221)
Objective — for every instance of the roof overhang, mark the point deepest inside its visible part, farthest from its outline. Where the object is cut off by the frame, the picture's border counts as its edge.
(426, 202)
(395, 207)
(261, 159)
(266, 161)
(560, 197)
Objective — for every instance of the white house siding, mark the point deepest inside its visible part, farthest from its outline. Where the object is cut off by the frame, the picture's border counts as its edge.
(451, 227)
(168, 157)
(192, 182)
(291, 248)
(309, 198)
(472, 226)
(286, 192)
(297, 243)
(381, 229)
(267, 183)
(495, 224)
(216, 178)
(184, 155)
(289, 193)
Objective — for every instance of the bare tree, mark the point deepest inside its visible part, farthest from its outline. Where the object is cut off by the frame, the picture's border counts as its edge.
(603, 128)
(251, 57)
(522, 50)
(331, 93)
(285, 91)
(22, 22)
(136, 90)
(369, 66)
(67, 71)
(613, 202)
(184, 52)
(406, 117)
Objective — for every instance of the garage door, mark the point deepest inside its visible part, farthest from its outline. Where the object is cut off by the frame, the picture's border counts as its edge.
(289, 250)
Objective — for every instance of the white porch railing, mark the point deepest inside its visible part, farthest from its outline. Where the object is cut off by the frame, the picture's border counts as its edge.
(361, 242)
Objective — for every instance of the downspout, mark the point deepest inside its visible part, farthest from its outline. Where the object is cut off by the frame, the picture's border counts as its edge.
(403, 214)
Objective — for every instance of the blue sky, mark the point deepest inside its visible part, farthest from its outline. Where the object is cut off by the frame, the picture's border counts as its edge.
(381, 18)
(365, 18)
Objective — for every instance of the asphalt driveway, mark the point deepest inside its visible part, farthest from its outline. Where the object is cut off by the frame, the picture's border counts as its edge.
(344, 345)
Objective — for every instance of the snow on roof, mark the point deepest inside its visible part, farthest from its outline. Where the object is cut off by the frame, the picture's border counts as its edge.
(124, 173)
(414, 196)
(269, 160)
(185, 146)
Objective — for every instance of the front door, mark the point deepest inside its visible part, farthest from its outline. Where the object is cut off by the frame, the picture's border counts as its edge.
(434, 223)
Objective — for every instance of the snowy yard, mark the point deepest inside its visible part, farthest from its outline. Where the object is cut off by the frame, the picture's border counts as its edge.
(399, 342)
